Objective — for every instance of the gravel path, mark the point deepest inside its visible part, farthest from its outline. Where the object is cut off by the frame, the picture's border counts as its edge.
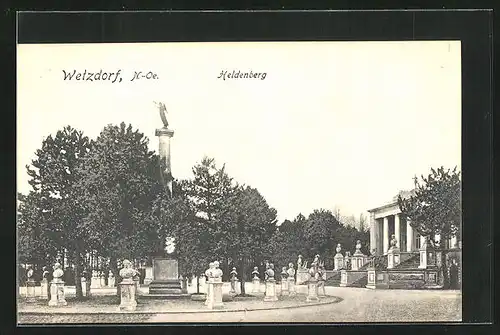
(357, 305)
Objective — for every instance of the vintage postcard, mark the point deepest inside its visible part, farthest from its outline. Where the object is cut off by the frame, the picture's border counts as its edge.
(239, 182)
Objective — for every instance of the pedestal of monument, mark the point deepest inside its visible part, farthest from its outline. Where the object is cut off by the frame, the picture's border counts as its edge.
(284, 286)
(270, 290)
(30, 290)
(166, 282)
(128, 301)
(255, 285)
(57, 293)
(312, 291)
(215, 301)
(44, 286)
(291, 286)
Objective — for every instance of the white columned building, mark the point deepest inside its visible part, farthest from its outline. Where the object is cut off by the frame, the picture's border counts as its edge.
(386, 220)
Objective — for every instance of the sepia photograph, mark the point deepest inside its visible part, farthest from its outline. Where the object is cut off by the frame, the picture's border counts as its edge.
(252, 182)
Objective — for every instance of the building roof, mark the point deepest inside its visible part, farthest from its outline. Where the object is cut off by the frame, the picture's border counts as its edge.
(405, 194)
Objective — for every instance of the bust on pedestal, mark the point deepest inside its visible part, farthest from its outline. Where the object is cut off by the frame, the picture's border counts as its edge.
(127, 287)
(255, 280)
(393, 254)
(44, 284)
(312, 283)
(358, 257)
(321, 277)
(290, 279)
(270, 284)
(208, 277)
(284, 281)
(338, 259)
(215, 284)
(30, 285)
(57, 287)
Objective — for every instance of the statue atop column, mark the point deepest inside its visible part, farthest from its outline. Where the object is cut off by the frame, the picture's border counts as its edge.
(163, 110)
(165, 134)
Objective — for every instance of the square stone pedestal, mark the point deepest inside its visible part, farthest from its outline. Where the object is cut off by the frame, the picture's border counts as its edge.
(30, 290)
(57, 293)
(255, 285)
(291, 286)
(284, 287)
(209, 294)
(312, 291)
(393, 258)
(338, 261)
(215, 301)
(271, 290)
(44, 286)
(321, 288)
(127, 295)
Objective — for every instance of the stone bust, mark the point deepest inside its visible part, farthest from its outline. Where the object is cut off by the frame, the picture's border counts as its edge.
(284, 274)
(29, 273)
(339, 248)
(216, 272)
(208, 272)
(58, 272)
(394, 242)
(255, 272)
(299, 262)
(45, 273)
(291, 270)
(270, 272)
(234, 274)
(127, 273)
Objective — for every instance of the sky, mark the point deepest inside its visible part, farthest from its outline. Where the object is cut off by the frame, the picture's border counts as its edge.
(334, 125)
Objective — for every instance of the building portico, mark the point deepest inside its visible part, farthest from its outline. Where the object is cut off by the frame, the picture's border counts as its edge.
(384, 222)
(387, 220)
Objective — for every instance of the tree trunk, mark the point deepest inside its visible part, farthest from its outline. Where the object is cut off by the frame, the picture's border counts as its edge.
(444, 270)
(78, 275)
(243, 276)
(198, 284)
(114, 269)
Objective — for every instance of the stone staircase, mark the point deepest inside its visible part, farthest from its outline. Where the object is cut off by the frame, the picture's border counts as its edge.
(361, 282)
(334, 280)
(411, 263)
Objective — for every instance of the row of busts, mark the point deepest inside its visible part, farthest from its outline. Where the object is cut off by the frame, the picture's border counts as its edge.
(126, 272)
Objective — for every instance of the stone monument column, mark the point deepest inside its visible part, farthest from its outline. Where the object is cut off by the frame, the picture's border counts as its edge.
(165, 135)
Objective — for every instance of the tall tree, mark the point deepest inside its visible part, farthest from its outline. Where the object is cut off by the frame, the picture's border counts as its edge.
(435, 208)
(248, 223)
(208, 191)
(35, 243)
(120, 182)
(321, 226)
(54, 174)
